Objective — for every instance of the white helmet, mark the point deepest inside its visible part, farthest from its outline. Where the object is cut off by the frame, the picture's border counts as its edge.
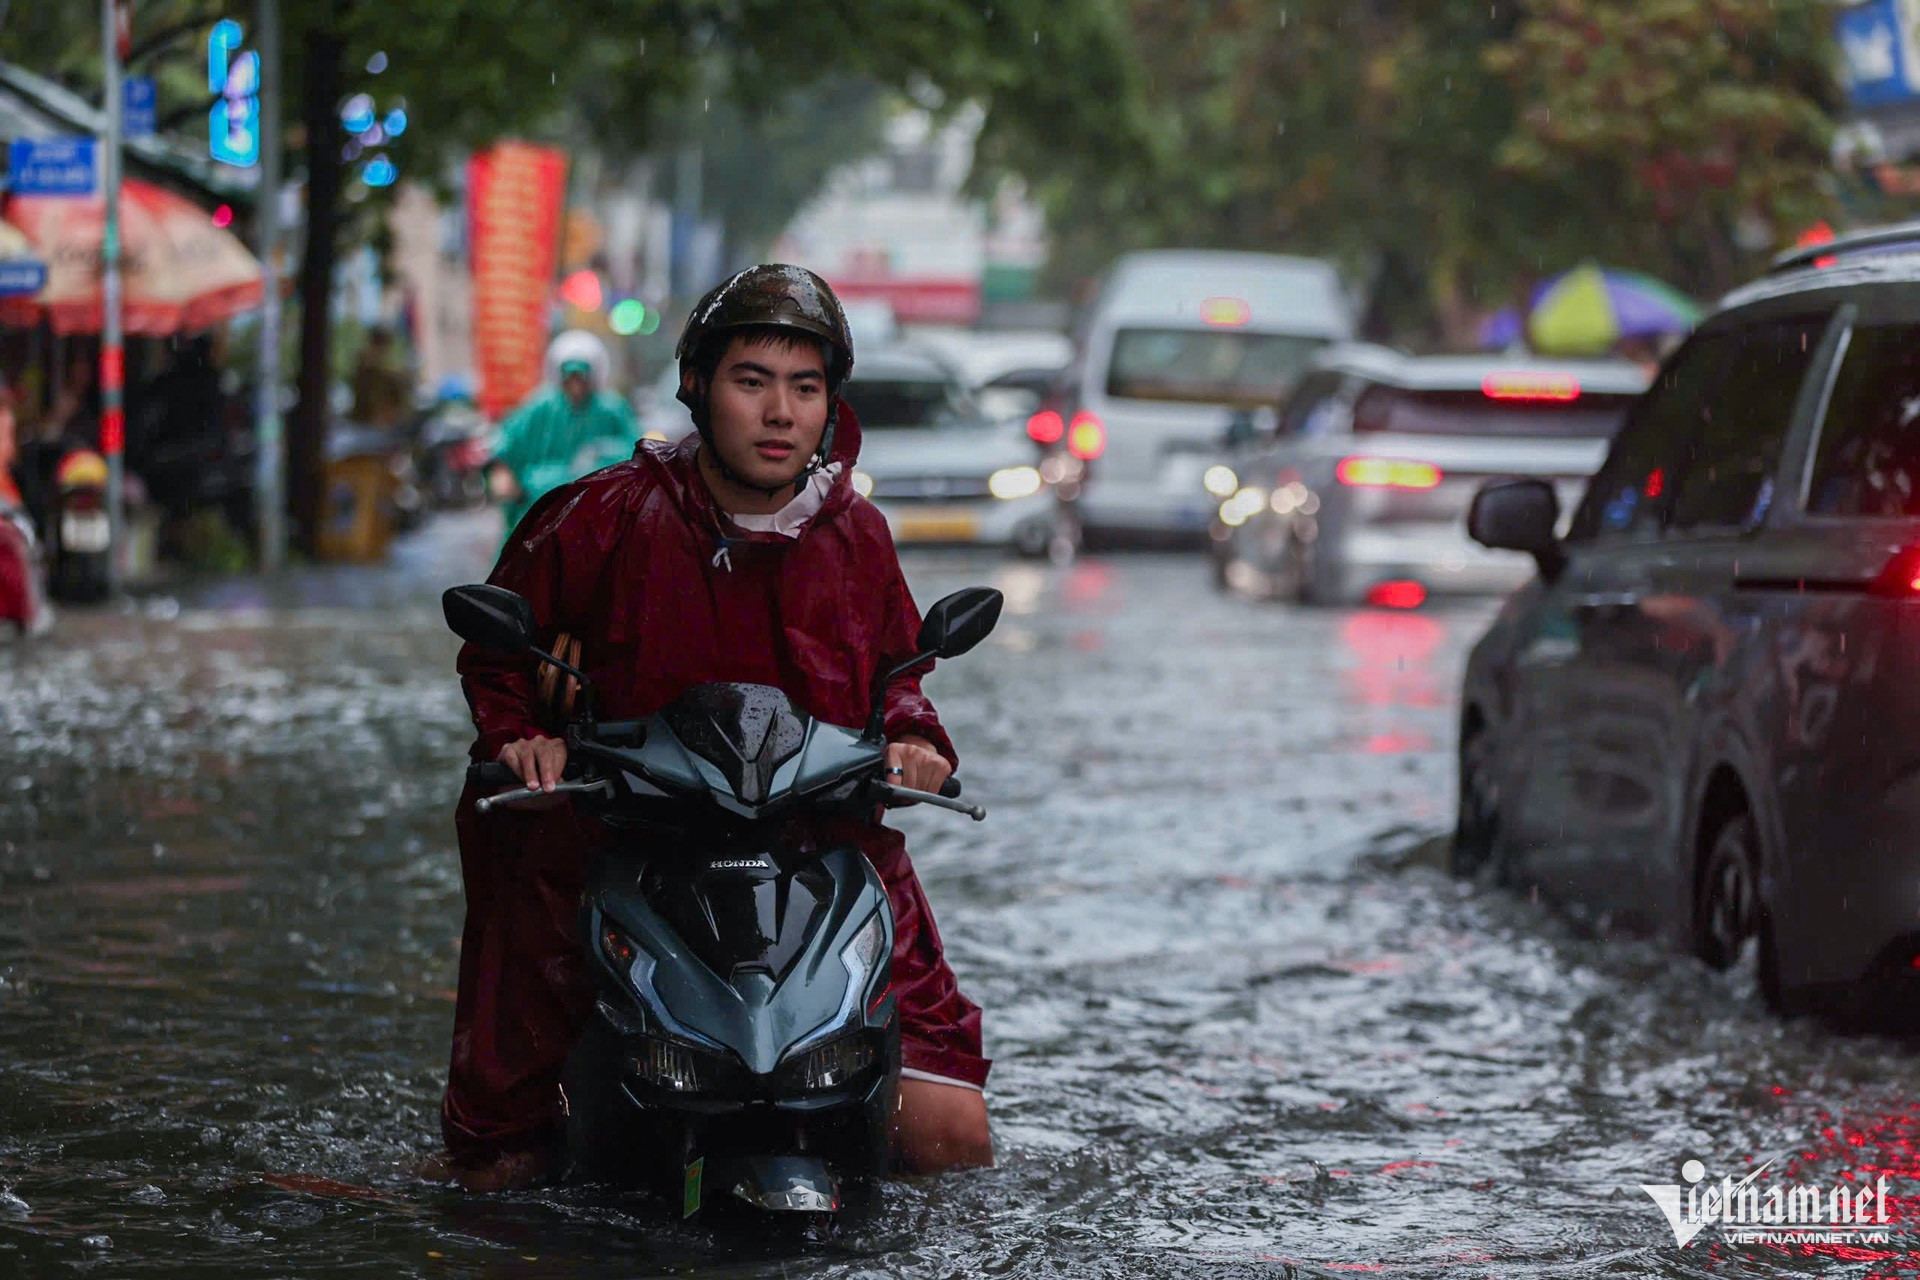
(578, 345)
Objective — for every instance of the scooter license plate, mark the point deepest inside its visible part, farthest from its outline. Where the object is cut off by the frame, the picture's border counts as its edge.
(691, 1193)
(84, 531)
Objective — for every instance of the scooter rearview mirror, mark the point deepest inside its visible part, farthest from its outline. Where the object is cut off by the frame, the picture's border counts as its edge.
(960, 621)
(493, 618)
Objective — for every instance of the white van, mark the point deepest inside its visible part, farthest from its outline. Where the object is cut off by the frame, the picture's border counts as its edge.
(1175, 344)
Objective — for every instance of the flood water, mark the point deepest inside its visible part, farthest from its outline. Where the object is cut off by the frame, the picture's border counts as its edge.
(1242, 1022)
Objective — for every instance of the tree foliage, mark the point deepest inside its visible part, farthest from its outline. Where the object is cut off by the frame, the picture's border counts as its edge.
(1684, 125)
(1452, 151)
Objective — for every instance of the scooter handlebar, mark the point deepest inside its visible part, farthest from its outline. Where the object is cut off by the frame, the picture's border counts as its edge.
(492, 775)
(495, 776)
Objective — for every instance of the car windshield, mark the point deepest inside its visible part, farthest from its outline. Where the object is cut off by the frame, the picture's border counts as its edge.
(1207, 366)
(1473, 413)
(904, 404)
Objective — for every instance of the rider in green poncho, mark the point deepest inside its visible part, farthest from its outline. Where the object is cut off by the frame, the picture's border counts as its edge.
(566, 429)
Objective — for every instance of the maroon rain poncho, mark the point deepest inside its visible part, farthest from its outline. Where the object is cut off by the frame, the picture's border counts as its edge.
(664, 593)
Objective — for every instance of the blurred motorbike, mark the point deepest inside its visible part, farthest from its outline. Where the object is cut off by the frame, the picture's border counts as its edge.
(79, 536)
(451, 448)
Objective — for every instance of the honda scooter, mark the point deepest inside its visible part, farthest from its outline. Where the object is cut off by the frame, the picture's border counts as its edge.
(745, 1042)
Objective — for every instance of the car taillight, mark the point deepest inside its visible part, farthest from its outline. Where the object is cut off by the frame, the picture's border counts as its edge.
(1046, 427)
(1900, 580)
(1531, 386)
(1387, 473)
(1086, 436)
(1397, 595)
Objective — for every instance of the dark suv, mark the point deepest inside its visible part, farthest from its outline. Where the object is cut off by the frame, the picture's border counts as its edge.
(1702, 717)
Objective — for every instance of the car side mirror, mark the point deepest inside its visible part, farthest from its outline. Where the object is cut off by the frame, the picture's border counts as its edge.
(960, 621)
(1519, 515)
(494, 618)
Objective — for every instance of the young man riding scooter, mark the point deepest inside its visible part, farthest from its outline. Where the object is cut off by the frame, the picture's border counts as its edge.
(739, 554)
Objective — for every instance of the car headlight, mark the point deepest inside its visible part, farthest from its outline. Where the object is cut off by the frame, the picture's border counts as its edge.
(863, 484)
(1242, 507)
(1220, 481)
(1014, 482)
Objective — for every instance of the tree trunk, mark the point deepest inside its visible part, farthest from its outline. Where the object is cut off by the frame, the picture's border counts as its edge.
(307, 432)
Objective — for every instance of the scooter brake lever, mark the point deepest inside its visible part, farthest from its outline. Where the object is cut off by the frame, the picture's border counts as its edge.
(977, 812)
(519, 798)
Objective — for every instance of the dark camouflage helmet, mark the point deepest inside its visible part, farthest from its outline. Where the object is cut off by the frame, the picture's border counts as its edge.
(778, 296)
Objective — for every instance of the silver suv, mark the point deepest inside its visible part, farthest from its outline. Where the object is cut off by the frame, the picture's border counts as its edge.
(1361, 493)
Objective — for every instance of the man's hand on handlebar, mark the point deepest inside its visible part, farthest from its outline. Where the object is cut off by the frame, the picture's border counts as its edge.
(923, 768)
(538, 761)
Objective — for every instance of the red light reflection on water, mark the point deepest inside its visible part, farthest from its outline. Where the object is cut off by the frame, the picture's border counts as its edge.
(1847, 1153)
(1392, 666)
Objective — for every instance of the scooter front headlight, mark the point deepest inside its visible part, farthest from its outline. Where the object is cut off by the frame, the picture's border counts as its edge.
(670, 1065)
(835, 1063)
(828, 1064)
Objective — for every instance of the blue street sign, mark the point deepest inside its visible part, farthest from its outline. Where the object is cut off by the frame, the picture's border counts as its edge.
(138, 118)
(233, 125)
(51, 167)
(21, 276)
(1877, 52)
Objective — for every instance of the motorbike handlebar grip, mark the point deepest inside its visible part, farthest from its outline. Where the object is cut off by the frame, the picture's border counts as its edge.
(950, 788)
(493, 775)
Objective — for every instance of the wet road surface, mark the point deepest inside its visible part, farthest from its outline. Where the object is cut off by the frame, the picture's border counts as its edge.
(1242, 1022)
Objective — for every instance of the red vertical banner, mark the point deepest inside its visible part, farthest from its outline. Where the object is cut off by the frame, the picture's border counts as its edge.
(113, 417)
(514, 196)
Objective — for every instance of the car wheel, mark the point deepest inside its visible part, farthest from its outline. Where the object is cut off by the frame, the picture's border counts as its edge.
(1066, 541)
(1293, 569)
(1730, 915)
(1476, 831)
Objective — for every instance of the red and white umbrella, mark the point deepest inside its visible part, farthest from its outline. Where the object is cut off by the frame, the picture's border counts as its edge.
(179, 272)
